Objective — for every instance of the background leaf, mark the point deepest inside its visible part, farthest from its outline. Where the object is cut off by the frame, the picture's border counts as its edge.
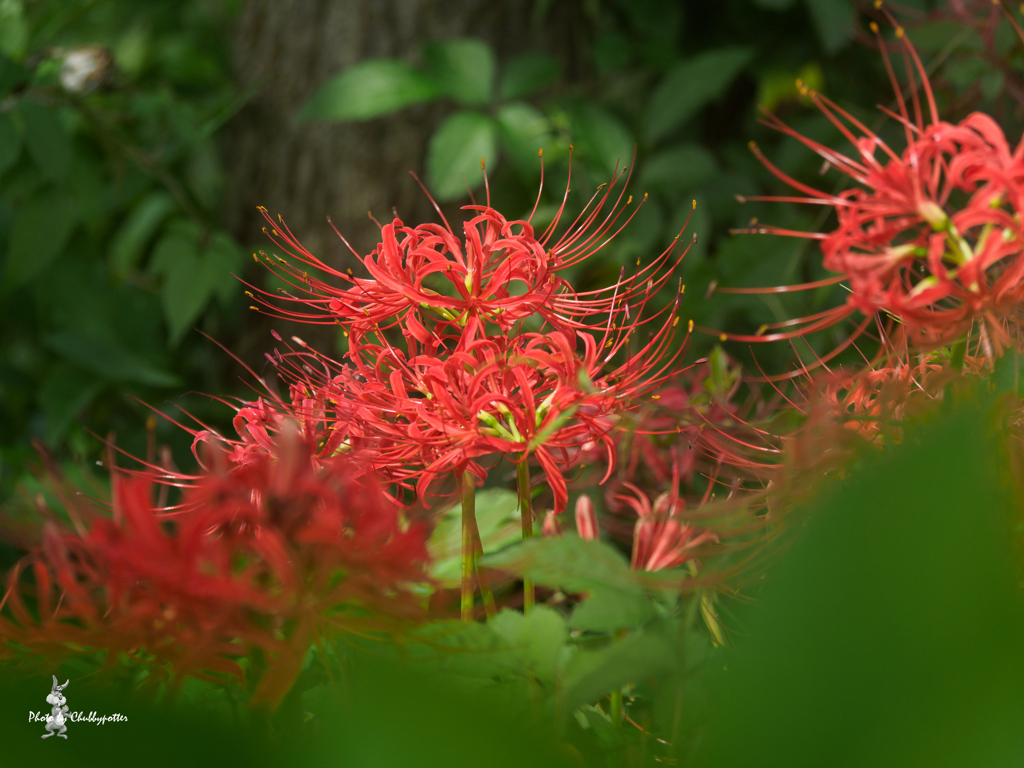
(691, 84)
(186, 288)
(528, 73)
(678, 170)
(462, 69)
(524, 130)
(42, 230)
(453, 157)
(106, 359)
(602, 137)
(137, 230)
(10, 142)
(66, 390)
(834, 20)
(48, 142)
(369, 89)
(221, 257)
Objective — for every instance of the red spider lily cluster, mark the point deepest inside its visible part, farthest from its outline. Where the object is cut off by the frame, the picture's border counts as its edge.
(930, 236)
(269, 554)
(464, 350)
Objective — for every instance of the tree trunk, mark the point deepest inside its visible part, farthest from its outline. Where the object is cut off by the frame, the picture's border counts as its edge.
(306, 172)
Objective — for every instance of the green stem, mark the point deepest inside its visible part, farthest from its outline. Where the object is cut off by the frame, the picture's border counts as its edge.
(957, 353)
(526, 513)
(490, 608)
(617, 707)
(468, 543)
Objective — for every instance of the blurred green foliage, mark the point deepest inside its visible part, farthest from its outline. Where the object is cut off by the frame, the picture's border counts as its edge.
(680, 83)
(110, 242)
(888, 634)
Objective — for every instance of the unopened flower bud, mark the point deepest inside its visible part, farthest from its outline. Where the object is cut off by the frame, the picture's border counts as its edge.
(551, 525)
(586, 519)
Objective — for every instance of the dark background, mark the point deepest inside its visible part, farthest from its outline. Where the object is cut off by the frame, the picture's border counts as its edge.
(126, 208)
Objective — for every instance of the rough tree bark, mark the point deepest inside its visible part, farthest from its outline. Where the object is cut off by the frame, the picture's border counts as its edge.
(305, 172)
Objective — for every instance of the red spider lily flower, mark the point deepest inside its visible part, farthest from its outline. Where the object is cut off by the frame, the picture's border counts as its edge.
(661, 539)
(527, 395)
(695, 435)
(441, 291)
(695, 426)
(586, 519)
(868, 400)
(271, 554)
(932, 236)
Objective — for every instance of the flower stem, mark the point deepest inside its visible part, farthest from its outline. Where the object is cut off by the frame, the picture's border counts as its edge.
(617, 707)
(468, 543)
(481, 573)
(957, 353)
(526, 513)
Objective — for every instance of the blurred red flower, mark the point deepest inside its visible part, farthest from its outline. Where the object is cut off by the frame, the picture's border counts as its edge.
(931, 236)
(272, 554)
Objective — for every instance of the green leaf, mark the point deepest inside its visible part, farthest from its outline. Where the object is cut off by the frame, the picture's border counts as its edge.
(602, 137)
(10, 142)
(497, 519)
(41, 232)
(1006, 375)
(691, 84)
(528, 73)
(465, 648)
(455, 152)
(369, 89)
(193, 274)
(834, 20)
(221, 257)
(524, 130)
(606, 610)
(679, 169)
(107, 360)
(462, 69)
(65, 391)
(13, 28)
(570, 563)
(775, 5)
(186, 288)
(591, 674)
(924, 640)
(611, 51)
(537, 637)
(12, 75)
(48, 142)
(140, 225)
